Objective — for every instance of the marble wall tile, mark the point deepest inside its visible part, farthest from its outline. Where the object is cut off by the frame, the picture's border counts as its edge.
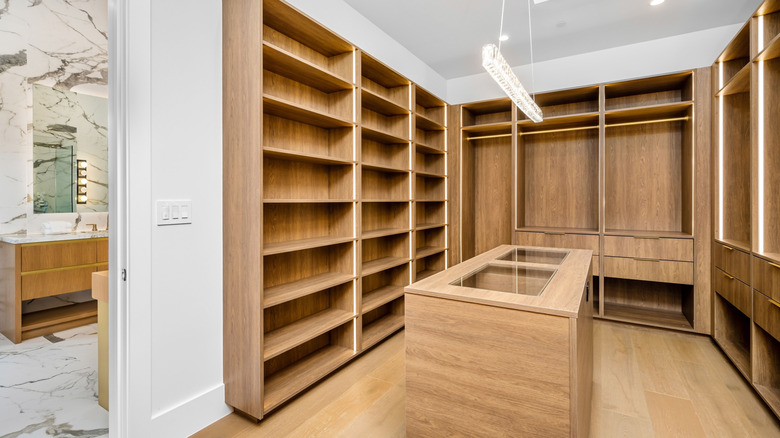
(59, 43)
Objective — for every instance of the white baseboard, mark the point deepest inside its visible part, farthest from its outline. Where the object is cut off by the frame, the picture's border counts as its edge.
(192, 415)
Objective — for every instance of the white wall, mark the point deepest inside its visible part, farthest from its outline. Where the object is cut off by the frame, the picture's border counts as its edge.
(651, 58)
(174, 151)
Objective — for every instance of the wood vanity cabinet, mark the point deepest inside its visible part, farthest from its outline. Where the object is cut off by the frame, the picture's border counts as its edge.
(37, 270)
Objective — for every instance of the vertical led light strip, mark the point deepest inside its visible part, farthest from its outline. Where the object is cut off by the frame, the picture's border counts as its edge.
(446, 197)
(355, 310)
(760, 137)
(720, 152)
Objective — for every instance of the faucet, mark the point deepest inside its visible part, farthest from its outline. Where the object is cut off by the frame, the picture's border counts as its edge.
(94, 227)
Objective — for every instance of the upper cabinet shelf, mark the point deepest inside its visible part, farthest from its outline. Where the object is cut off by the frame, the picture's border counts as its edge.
(487, 113)
(299, 113)
(640, 93)
(302, 30)
(739, 83)
(383, 82)
(287, 64)
(652, 113)
(566, 103)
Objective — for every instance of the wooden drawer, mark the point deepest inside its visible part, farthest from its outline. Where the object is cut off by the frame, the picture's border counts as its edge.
(55, 282)
(102, 250)
(733, 290)
(649, 270)
(766, 313)
(558, 240)
(766, 278)
(650, 248)
(732, 261)
(58, 254)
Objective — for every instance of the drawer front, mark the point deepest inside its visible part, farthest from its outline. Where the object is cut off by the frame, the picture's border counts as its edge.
(649, 270)
(732, 261)
(766, 314)
(558, 240)
(733, 290)
(661, 248)
(46, 284)
(102, 250)
(58, 255)
(595, 265)
(766, 278)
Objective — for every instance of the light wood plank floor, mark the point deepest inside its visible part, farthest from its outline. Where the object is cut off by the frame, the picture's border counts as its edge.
(647, 383)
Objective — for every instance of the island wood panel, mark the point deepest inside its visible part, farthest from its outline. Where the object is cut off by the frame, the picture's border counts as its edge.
(662, 248)
(649, 270)
(736, 168)
(11, 291)
(581, 375)
(734, 291)
(492, 193)
(48, 255)
(520, 386)
(643, 177)
(560, 175)
(242, 207)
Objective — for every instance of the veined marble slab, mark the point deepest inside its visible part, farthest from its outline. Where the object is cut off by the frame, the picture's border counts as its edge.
(37, 238)
(48, 386)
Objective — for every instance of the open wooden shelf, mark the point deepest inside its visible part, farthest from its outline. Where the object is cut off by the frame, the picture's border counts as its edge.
(299, 140)
(385, 185)
(384, 168)
(382, 136)
(282, 293)
(381, 328)
(562, 122)
(499, 128)
(651, 317)
(425, 273)
(424, 122)
(286, 383)
(647, 113)
(381, 104)
(739, 83)
(280, 340)
(426, 251)
(381, 296)
(430, 108)
(428, 149)
(385, 156)
(287, 64)
(766, 356)
(559, 230)
(428, 226)
(287, 154)
(381, 264)
(650, 303)
(650, 234)
(425, 266)
(732, 333)
(382, 232)
(297, 245)
(59, 318)
(567, 102)
(286, 109)
(486, 113)
(648, 92)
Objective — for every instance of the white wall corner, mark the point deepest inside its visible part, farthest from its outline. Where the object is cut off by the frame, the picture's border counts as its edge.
(191, 415)
(650, 58)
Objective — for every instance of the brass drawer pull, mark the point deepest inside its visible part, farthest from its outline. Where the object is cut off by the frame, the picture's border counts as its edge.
(551, 233)
(774, 302)
(646, 260)
(728, 276)
(728, 248)
(774, 265)
(647, 237)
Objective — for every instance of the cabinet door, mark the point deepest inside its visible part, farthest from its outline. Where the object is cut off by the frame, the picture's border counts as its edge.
(61, 281)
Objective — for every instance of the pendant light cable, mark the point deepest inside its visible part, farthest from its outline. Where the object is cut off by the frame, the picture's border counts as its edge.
(531, 43)
(501, 25)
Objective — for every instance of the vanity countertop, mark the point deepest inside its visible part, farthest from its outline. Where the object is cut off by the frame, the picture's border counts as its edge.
(37, 238)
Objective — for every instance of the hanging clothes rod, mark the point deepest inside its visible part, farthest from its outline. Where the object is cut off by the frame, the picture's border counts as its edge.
(484, 137)
(550, 131)
(646, 122)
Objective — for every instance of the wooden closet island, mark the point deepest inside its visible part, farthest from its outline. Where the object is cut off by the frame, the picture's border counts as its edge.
(502, 344)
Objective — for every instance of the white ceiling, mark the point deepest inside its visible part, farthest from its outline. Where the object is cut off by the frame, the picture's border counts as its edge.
(448, 34)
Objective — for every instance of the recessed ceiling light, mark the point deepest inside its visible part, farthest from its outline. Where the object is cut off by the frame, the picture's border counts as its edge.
(503, 37)
(656, 2)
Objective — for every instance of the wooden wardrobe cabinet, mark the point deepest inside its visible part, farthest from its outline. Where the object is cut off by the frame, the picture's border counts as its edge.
(38, 270)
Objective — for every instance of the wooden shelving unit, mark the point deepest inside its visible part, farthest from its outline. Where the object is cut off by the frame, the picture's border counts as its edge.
(746, 178)
(321, 149)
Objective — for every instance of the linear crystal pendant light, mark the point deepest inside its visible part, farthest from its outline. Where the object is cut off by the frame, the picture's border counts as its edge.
(496, 65)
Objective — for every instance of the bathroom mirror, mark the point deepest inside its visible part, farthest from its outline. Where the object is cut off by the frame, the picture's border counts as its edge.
(70, 151)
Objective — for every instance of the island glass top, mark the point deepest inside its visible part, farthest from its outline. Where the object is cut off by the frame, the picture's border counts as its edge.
(527, 255)
(513, 279)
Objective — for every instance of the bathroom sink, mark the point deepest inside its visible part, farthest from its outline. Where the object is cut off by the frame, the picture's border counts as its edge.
(523, 280)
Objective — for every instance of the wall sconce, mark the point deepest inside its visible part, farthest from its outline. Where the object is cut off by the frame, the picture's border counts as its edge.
(81, 182)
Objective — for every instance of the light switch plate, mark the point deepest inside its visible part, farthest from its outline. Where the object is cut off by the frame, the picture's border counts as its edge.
(174, 212)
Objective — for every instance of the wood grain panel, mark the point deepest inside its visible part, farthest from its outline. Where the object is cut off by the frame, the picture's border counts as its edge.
(663, 249)
(305, 138)
(558, 240)
(766, 314)
(731, 330)
(643, 177)
(733, 290)
(102, 250)
(49, 283)
(766, 379)
(649, 270)
(290, 222)
(454, 206)
(560, 174)
(732, 260)
(700, 206)
(492, 193)
(736, 168)
(242, 116)
(771, 157)
(766, 277)
(312, 181)
(11, 291)
(50, 255)
(582, 374)
(514, 389)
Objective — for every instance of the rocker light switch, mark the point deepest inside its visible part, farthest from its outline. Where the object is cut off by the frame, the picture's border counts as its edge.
(176, 212)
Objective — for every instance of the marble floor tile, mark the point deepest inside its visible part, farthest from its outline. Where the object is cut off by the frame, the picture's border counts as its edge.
(48, 386)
